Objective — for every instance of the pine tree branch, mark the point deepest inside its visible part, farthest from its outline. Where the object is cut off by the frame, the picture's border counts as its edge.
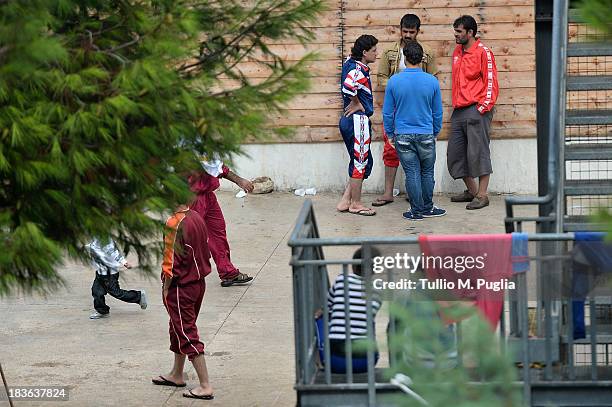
(205, 59)
(3, 51)
(111, 51)
(135, 40)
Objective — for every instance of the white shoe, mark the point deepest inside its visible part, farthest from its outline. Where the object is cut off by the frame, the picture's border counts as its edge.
(143, 300)
(97, 315)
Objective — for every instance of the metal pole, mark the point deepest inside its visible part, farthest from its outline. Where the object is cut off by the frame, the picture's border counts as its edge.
(8, 395)
(524, 320)
(593, 335)
(557, 97)
(326, 350)
(367, 272)
(348, 349)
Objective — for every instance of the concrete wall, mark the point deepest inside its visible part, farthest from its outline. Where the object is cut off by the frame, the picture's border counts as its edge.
(324, 166)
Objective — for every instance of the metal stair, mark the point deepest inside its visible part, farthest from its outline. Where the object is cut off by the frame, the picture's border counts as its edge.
(586, 164)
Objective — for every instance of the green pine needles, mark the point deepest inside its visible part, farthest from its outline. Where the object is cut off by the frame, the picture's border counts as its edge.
(106, 105)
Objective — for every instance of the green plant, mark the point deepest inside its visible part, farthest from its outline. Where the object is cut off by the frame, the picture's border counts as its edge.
(105, 105)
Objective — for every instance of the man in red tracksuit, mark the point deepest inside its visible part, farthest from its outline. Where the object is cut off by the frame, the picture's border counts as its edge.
(475, 92)
(185, 265)
(204, 183)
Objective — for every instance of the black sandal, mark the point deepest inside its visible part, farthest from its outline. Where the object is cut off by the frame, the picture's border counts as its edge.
(241, 278)
(166, 382)
(190, 395)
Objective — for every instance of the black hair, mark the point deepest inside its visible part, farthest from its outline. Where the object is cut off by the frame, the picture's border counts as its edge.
(374, 252)
(468, 24)
(363, 43)
(410, 21)
(413, 52)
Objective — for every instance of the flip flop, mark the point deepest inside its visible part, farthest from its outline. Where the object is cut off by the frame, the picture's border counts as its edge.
(381, 202)
(166, 382)
(190, 395)
(363, 212)
(342, 211)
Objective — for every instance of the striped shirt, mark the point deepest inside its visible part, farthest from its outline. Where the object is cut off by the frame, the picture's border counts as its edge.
(106, 258)
(357, 308)
(355, 81)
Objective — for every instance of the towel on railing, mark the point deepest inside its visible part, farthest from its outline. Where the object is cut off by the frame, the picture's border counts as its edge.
(591, 256)
(520, 252)
(488, 275)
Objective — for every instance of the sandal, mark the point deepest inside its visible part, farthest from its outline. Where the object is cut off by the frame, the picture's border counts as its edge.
(191, 395)
(382, 202)
(162, 381)
(363, 212)
(241, 278)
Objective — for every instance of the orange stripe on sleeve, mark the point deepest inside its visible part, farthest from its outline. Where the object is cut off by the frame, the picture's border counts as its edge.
(172, 224)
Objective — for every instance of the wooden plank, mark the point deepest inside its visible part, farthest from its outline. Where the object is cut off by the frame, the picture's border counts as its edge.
(294, 52)
(440, 46)
(310, 134)
(589, 65)
(507, 80)
(319, 84)
(318, 68)
(445, 48)
(382, 16)
(590, 99)
(574, 132)
(334, 100)
(412, 4)
(506, 97)
(504, 63)
(322, 35)
(498, 31)
(330, 116)
(331, 68)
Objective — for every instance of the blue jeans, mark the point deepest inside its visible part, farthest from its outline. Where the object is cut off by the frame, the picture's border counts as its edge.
(417, 154)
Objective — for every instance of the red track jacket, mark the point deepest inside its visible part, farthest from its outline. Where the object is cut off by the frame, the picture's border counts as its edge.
(474, 77)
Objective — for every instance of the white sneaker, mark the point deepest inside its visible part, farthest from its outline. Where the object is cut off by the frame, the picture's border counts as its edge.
(97, 315)
(143, 300)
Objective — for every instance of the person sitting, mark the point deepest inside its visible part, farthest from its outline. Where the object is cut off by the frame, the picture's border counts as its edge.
(357, 306)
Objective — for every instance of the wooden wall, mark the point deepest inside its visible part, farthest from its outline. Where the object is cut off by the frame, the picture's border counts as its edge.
(506, 26)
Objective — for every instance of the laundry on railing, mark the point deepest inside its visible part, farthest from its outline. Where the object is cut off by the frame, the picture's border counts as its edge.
(480, 268)
(520, 252)
(591, 257)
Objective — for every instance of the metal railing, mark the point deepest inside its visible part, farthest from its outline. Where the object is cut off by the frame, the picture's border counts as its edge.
(554, 350)
(556, 134)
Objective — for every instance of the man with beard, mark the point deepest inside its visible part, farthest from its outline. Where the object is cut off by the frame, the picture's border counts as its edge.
(475, 92)
(392, 62)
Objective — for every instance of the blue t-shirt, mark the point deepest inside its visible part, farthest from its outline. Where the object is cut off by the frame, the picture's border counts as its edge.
(413, 103)
(356, 81)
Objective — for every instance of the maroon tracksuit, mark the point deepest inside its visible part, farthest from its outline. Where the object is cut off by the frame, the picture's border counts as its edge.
(206, 204)
(186, 262)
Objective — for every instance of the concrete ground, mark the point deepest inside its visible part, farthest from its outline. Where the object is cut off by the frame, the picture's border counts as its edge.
(248, 331)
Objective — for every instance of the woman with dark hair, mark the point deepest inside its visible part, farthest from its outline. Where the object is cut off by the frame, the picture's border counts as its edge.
(355, 125)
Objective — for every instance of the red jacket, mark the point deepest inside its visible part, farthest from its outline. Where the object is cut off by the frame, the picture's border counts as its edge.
(474, 77)
(202, 182)
(186, 254)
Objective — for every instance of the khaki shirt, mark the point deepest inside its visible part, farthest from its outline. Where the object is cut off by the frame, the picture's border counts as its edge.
(389, 63)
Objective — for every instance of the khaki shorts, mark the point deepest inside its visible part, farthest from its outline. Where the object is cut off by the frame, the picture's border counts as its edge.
(468, 153)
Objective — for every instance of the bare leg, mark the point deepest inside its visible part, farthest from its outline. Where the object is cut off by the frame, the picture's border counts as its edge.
(176, 374)
(356, 204)
(199, 364)
(390, 173)
(471, 185)
(483, 184)
(345, 201)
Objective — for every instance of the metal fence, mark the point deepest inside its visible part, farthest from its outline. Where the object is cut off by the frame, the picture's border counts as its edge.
(536, 326)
